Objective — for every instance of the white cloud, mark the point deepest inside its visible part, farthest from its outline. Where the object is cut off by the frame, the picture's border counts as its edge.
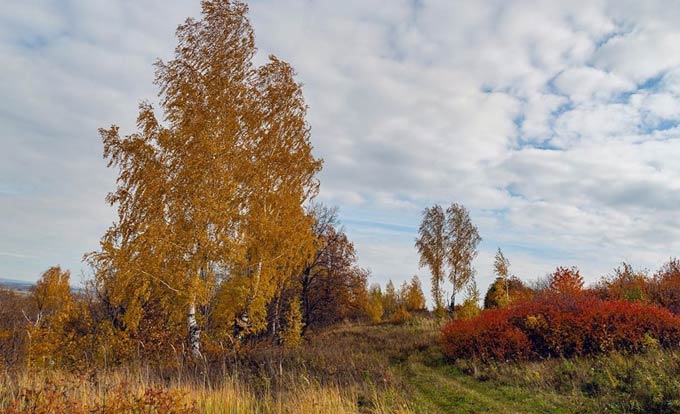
(640, 54)
(586, 84)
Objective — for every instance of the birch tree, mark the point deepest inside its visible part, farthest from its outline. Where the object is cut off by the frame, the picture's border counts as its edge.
(461, 248)
(212, 192)
(431, 245)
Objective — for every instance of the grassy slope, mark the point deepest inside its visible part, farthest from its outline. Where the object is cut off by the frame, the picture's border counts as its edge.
(444, 389)
(432, 385)
(616, 383)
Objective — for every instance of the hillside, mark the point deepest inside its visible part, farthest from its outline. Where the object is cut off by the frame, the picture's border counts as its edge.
(410, 361)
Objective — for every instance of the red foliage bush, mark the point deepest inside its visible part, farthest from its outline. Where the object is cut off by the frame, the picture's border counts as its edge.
(561, 326)
(489, 336)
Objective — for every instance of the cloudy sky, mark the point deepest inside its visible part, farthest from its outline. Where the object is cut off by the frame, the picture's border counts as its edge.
(555, 123)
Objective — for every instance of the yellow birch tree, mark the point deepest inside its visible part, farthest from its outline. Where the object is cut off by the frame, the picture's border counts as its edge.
(210, 198)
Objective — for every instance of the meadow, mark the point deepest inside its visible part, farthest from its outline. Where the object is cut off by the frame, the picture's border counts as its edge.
(361, 368)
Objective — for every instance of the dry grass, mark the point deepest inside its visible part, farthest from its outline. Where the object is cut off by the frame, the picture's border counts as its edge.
(343, 370)
(119, 392)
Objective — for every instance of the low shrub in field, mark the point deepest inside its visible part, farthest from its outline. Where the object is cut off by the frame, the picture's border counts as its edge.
(489, 336)
(556, 325)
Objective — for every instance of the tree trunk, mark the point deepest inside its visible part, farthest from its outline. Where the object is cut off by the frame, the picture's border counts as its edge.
(453, 303)
(194, 331)
(507, 291)
(306, 308)
(276, 320)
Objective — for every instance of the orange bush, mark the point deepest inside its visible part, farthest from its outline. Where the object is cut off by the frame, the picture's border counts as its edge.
(560, 326)
(665, 286)
(566, 281)
(401, 316)
(626, 283)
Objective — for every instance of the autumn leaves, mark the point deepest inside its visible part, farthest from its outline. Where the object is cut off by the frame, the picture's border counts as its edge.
(447, 243)
(210, 198)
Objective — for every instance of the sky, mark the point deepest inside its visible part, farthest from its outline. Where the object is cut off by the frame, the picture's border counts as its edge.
(556, 123)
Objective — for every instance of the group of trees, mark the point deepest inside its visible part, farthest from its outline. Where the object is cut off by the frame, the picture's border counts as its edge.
(331, 286)
(217, 240)
(447, 244)
(396, 306)
(55, 325)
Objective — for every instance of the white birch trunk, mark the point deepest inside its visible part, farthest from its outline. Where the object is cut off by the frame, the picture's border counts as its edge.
(194, 332)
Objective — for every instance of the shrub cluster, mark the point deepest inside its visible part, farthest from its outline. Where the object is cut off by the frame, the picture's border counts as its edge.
(554, 325)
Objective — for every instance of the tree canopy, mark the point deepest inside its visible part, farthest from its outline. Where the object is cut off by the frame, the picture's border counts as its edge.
(212, 194)
(447, 239)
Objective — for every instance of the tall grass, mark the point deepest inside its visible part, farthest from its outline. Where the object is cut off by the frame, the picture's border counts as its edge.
(343, 370)
(647, 382)
(127, 392)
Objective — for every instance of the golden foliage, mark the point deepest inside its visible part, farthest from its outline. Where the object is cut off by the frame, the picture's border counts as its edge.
(469, 309)
(374, 308)
(291, 336)
(54, 304)
(431, 246)
(447, 239)
(504, 292)
(52, 295)
(210, 203)
(400, 316)
(412, 296)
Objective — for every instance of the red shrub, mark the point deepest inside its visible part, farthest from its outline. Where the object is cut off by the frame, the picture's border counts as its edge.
(560, 325)
(488, 336)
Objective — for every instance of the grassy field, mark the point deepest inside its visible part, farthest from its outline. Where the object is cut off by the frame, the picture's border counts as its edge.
(364, 369)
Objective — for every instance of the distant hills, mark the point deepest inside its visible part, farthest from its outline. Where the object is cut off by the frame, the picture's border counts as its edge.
(19, 286)
(13, 284)
(24, 286)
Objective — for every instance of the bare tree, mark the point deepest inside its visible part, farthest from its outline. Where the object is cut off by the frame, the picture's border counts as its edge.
(333, 286)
